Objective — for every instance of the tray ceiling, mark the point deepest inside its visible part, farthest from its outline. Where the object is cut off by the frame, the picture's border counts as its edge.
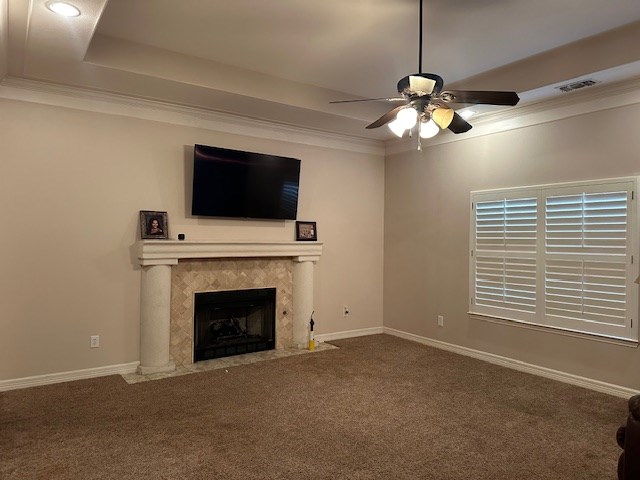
(283, 61)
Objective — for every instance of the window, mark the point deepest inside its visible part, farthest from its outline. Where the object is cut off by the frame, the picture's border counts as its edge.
(561, 256)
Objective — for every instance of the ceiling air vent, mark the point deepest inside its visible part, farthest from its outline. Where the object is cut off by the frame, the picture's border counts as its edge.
(570, 87)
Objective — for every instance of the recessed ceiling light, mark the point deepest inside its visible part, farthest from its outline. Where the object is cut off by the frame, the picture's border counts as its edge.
(64, 9)
(466, 114)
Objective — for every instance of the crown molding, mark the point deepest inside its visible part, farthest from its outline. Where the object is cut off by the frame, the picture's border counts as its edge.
(601, 97)
(594, 99)
(13, 88)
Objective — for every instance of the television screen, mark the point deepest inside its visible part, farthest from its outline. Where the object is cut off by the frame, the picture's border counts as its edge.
(233, 183)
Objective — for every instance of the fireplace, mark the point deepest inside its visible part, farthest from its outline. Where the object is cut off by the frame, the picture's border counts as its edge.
(174, 270)
(234, 322)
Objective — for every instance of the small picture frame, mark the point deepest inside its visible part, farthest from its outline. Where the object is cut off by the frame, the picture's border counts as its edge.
(153, 225)
(306, 232)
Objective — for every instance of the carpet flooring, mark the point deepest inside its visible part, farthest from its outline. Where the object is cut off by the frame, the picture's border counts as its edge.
(378, 407)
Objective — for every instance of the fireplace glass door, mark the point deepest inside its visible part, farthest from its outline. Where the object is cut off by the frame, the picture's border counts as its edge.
(234, 322)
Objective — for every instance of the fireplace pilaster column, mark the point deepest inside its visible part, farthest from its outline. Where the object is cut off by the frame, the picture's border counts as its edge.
(302, 298)
(155, 319)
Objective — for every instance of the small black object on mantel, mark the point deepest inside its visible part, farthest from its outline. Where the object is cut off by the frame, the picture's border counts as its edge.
(306, 231)
(181, 236)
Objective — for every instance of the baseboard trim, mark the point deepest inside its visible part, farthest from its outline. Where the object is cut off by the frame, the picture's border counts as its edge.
(132, 367)
(603, 387)
(50, 378)
(327, 337)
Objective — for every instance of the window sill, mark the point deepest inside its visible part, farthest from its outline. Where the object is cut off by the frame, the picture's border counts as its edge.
(558, 331)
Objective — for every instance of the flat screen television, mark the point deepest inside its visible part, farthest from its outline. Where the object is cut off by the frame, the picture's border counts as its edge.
(233, 183)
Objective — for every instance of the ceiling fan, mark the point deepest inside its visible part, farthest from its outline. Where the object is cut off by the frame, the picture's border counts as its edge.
(425, 103)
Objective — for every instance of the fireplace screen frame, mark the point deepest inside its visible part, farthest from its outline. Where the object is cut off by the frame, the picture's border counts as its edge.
(233, 322)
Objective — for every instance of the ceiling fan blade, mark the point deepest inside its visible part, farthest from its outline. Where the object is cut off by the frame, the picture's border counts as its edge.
(480, 97)
(459, 124)
(396, 99)
(386, 118)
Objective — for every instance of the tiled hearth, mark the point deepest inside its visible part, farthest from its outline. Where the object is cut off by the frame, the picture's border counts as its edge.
(226, 363)
(172, 271)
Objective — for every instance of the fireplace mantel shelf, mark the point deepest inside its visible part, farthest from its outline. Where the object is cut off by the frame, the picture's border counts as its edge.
(168, 252)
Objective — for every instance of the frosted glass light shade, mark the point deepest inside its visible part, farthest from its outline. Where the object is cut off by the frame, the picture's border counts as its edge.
(397, 127)
(442, 116)
(428, 129)
(407, 117)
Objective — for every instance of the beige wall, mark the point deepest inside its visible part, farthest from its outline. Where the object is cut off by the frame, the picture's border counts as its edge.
(426, 267)
(72, 182)
(71, 185)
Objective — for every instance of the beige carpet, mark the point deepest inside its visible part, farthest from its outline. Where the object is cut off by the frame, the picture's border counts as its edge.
(376, 408)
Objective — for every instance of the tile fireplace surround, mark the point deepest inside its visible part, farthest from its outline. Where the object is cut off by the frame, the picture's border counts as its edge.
(157, 257)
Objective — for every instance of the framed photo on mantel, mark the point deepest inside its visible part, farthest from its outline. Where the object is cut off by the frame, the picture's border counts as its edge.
(153, 225)
(306, 232)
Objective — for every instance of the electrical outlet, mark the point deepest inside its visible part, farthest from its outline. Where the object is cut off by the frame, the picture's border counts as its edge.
(95, 341)
(440, 320)
(345, 311)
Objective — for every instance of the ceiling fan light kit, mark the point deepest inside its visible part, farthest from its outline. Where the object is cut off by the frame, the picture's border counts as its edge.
(426, 104)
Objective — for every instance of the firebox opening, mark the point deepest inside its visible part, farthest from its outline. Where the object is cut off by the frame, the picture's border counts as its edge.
(234, 322)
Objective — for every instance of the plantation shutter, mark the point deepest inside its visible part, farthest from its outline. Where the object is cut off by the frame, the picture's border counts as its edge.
(559, 256)
(505, 250)
(587, 255)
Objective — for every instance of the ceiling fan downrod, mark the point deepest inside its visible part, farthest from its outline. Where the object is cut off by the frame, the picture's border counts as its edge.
(420, 42)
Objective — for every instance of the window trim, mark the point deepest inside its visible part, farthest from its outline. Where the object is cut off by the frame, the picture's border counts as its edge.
(538, 320)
